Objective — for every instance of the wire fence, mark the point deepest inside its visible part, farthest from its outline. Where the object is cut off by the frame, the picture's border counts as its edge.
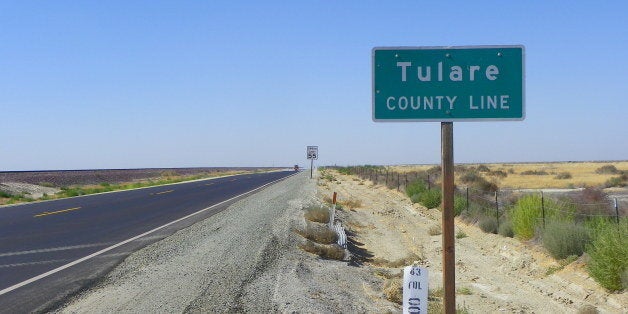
(497, 202)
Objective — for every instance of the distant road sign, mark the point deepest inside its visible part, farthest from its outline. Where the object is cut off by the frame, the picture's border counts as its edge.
(312, 152)
(448, 83)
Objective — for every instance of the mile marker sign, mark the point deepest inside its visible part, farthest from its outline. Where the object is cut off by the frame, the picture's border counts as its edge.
(447, 84)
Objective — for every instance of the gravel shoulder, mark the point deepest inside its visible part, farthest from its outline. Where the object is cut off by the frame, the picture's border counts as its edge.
(244, 259)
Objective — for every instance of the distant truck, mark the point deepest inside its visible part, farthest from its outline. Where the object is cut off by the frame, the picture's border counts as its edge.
(296, 167)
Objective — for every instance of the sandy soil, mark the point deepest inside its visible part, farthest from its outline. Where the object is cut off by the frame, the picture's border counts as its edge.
(31, 190)
(503, 274)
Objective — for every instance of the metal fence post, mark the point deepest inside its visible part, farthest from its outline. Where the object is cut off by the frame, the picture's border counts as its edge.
(616, 211)
(497, 211)
(467, 200)
(429, 185)
(543, 208)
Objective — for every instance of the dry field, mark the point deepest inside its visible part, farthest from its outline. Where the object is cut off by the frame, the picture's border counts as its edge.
(582, 174)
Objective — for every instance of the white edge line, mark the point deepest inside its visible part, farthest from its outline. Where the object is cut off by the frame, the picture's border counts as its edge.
(68, 265)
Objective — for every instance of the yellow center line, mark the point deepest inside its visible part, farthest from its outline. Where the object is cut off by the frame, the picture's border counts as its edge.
(164, 192)
(56, 212)
(208, 183)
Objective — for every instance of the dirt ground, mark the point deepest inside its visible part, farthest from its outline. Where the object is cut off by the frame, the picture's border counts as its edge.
(493, 273)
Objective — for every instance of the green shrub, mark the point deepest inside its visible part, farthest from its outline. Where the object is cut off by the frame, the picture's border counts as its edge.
(525, 215)
(431, 198)
(609, 256)
(534, 173)
(470, 177)
(460, 204)
(498, 173)
(619, 181)
(416, 187)
(607, 169)
(416, 198)
(563, 176)
(488, 224)
(562, 239)
(476, 181)
(483, 168)
(505, 229)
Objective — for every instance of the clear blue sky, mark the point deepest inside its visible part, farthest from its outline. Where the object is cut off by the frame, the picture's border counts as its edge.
(124, 84)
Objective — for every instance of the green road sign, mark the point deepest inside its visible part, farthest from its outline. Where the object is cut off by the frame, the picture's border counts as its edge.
(445, 84)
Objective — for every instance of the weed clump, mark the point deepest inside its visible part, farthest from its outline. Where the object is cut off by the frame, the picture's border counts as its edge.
(460, 234)
(534, 173)
(619, 181)
(434, 230)
(609, 256)
(563, 239)
(317, 214)
(488, 224)
(476, 181)
(430, 198)
(460, 204)
(416, 187)
(607, 169)
(331, 251)
(319, 234)
(393, 290)
(505, 229)
(563, 176)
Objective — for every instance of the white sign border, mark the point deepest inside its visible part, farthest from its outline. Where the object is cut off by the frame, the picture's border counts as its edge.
(523, 83)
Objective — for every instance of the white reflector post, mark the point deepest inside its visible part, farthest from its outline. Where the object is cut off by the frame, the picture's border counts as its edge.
(415, 290)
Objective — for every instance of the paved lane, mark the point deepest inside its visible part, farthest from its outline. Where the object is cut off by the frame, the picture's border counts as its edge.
(39, 237)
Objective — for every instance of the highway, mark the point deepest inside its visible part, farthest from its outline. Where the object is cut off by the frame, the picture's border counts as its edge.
(49, 250)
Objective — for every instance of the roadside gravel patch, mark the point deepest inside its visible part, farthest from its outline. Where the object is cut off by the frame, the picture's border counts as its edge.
(30, 190)
(244, 259)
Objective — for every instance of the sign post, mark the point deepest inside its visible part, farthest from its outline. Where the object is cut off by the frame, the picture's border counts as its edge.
(312, 153)
(447, 84)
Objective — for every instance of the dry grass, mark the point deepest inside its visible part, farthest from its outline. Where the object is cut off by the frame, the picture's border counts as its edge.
(582, 174)
(434, 230)
(393, 290)
(317, 214)
(406, 261)
(331, 251)
(319, 234)
(351, 204)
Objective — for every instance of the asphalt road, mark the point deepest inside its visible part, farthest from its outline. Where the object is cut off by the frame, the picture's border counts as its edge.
(70, 243)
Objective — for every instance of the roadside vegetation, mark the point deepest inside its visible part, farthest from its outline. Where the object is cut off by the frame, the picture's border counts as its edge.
(72, 191)
(317, 238)
(583, 222)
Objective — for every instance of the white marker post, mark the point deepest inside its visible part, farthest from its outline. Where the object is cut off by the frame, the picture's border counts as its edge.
(415, 290)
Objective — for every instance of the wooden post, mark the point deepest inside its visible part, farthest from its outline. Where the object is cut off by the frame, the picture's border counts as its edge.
(449, 257)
